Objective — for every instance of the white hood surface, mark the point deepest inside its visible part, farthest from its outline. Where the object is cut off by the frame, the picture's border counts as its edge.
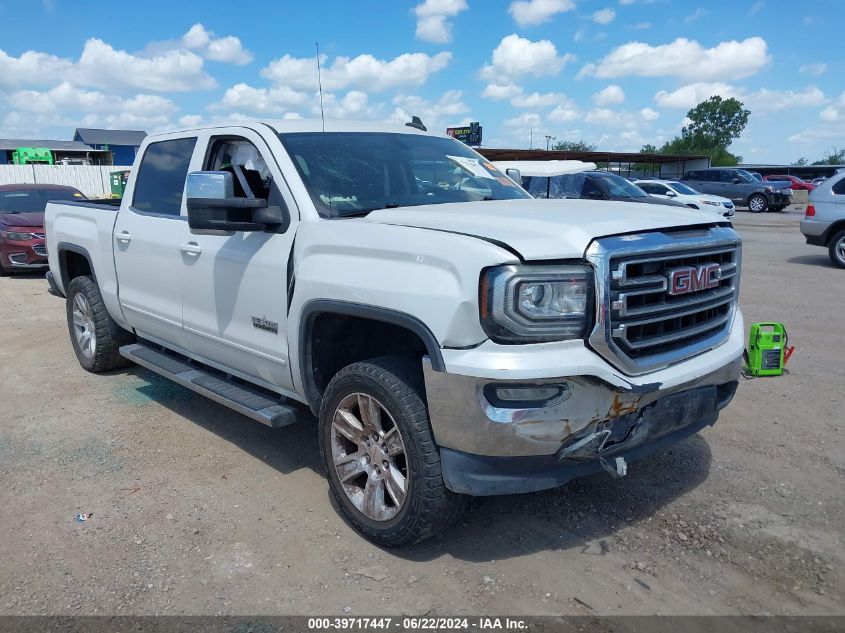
(542, 229)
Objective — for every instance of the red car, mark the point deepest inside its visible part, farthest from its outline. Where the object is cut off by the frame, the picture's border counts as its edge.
(797, 183)
(22, 245)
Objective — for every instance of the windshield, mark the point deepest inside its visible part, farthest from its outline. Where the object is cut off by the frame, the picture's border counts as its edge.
(34, 200)
(353, 173)
(745, 176)
(618, 187)
(682, 188)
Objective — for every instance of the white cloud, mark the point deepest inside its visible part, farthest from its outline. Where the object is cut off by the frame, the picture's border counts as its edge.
(696, 15)
(683, 58)
(501, 92)
(609, 95)
(436, 115)
(648, 114)
(538, 100)
(563, 114)
(620, 118)
(432, 19)
(831, 113)
(813, 69)
(222, 49)
(32, 68)
(692, 94)
(533, 12)
(639, 26)
(190, 120)
(756, 7)
(604, 16)
(242, 97)
(67, 98)
(525, 121)
(103, 66)
(762, 100)
(515, 57)
(355, 104)
(363, 71)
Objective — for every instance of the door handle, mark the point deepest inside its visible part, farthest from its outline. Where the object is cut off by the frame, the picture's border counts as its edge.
(123, 236)
(191, 248)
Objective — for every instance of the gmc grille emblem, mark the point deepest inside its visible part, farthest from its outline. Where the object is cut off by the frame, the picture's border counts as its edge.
(694, 278)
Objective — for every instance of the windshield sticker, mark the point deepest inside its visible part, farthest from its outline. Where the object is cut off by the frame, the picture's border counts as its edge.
(474, 166)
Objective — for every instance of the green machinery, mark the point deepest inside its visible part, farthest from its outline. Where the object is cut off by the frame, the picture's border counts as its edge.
(118, 182)
(768, 350)
(32, 156)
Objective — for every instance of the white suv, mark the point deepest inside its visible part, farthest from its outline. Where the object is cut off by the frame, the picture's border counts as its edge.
(678, 191)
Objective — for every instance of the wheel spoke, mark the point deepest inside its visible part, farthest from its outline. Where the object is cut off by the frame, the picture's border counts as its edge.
(349, 466)
(78, 319)
(373, 504)
(393, 442)
(348, 425)
(81, 303)
(394, 481)
(370, 412)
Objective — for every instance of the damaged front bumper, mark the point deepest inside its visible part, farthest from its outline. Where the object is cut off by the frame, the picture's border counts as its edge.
(490, 445)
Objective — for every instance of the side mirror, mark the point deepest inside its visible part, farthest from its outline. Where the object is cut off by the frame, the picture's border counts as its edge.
(514, 174)
(595, 195)
(735, 180)
(212, 205)
(671, 193)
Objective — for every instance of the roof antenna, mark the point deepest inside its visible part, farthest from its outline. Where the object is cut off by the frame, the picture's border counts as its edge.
(416, 122)
(320, 84)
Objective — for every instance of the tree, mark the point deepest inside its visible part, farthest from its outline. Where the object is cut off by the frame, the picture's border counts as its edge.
(800, 162)
(645, 167)
(713, 125)
(833, 157)
(716, 122)
(574, 146)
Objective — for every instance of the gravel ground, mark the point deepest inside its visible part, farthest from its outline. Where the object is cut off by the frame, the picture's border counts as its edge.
(198, 510)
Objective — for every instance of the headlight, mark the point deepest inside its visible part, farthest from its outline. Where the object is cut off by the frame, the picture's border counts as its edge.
(710, 202)
(17, 237)
(529, 304)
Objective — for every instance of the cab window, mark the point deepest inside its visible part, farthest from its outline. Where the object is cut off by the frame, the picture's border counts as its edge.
(251, 176)
(161, 176)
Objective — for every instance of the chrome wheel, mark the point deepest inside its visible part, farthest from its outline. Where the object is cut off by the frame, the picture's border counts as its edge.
(839, 250)
(369, 456)
(757, 204)
(83, 326)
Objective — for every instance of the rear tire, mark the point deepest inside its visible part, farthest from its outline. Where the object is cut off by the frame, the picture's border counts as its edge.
(393, 491)
(94, 335)
(836, 249)
(757, 203)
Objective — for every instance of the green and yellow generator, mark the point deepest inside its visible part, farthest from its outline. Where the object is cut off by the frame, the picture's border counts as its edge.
(768, 350)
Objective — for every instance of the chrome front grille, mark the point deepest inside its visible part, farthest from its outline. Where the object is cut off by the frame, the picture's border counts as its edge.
(40, 249)
(641, 325)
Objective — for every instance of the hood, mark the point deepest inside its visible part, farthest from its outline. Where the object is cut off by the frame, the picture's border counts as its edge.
(539, 229)
(653, 200)
(22, 219)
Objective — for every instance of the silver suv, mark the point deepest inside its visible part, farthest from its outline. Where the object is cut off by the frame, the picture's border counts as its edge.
(740, 187)
(824, 220)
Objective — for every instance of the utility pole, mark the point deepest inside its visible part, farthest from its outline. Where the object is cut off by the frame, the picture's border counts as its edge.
(531, 140)
(549, 139)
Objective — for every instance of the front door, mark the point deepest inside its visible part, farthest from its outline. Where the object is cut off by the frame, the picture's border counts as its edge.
(234, 286)
(146, 236)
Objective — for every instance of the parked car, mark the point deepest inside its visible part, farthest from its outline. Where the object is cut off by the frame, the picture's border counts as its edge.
(445, 342)
(22, 224)
(756, 176)
(824, 218)
(679, 192)
(817, 181)
(590, 184)
(740, 188)
(796, 184)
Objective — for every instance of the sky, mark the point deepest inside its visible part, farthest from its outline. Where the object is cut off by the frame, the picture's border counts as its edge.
(616, 73)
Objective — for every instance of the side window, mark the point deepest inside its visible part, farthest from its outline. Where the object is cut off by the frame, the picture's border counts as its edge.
(839, 188)
(591, 189)
(250, 175)
(726, 176)
(161, 176)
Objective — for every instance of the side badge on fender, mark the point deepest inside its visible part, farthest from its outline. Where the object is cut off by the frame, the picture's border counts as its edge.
(262, 323)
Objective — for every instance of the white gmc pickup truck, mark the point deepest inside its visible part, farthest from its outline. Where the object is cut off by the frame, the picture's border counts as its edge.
(452, 335)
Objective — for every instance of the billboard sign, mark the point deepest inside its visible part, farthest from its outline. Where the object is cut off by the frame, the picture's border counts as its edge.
(471, 134)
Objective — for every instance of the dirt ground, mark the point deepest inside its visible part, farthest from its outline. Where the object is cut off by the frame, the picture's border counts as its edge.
(198, 510)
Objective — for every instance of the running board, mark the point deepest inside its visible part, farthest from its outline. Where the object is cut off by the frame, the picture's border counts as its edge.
(238, 397)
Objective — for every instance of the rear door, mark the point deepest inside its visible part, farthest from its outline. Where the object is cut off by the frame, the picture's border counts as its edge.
(234, 286)
(145, 240)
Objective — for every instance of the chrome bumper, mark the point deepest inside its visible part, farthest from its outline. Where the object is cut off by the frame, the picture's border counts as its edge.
(463, 418)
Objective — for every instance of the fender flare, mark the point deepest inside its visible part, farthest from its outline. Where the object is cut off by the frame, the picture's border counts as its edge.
(315, 307)
(67, 247)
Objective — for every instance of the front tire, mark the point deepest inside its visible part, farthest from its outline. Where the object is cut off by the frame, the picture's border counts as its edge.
(757, 203)
(94, 335)
(836, 249)
(381, 461)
